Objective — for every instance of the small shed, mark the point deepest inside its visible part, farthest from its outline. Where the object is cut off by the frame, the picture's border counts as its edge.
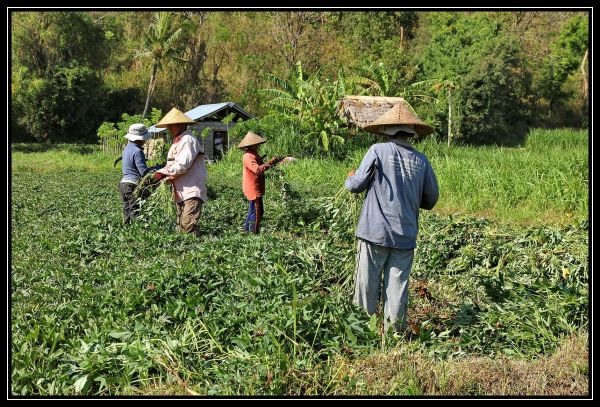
(210, 128)
(362, 110)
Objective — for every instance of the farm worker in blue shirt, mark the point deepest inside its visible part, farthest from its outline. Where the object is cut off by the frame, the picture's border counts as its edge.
(134, 168)
(399, 180)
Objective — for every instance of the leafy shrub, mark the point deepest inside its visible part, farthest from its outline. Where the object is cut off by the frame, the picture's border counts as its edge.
(479, 57)
(112, 135)
(60, 107)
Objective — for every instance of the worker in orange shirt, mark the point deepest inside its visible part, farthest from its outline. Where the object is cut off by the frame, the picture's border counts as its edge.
(253, 179)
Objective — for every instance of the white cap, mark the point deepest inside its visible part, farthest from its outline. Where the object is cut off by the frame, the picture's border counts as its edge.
(391, 130)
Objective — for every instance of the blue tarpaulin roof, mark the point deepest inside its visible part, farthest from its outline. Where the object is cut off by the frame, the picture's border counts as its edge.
(200, 112)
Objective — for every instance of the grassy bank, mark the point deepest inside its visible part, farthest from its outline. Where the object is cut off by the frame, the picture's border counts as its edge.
(407, 372)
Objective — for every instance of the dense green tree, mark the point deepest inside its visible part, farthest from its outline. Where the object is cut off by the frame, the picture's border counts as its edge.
(57, 91)
(567, 55)
(475, 76)
(370, 32)
(61, 107)
(475, 54)
(43, 41)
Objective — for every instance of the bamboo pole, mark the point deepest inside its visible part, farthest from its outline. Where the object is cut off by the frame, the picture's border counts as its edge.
(584, 75)
(401, 36)
(449, 116)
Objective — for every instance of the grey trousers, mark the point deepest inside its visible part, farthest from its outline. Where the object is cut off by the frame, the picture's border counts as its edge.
(371, 260)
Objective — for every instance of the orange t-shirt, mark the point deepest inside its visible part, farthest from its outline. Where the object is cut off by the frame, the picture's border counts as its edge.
(253, 179)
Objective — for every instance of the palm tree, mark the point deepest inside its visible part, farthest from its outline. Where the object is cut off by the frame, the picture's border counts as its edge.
(160, 43)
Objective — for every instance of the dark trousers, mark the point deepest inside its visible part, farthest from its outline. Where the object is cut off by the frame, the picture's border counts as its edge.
(255, 214)
(131, 208)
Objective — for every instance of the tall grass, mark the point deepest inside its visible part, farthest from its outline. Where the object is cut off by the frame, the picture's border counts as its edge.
(544, 181)
(57, 157)
(570, 139)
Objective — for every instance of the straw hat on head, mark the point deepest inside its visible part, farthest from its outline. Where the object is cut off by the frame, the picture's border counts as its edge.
(175, 116)
(399, 115)
(251, 139)
(137, 132)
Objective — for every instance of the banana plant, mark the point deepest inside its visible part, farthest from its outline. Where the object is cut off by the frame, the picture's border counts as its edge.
(312, 101)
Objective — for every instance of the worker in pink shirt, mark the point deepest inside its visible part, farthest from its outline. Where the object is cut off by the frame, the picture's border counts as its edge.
(186, 170)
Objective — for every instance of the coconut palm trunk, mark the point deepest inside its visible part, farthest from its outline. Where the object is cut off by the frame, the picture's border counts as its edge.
(150, 89)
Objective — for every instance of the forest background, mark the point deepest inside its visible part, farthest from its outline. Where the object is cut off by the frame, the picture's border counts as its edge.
(477, 77)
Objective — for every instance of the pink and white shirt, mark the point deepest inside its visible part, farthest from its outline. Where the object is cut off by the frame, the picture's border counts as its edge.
(186, 161)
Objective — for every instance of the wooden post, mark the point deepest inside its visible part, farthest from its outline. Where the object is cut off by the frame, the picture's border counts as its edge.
(449, 116)
(584, 75)
(401, 36)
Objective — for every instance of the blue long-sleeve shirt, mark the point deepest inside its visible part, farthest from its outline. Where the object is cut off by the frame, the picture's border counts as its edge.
(399, 180)
(134, 163)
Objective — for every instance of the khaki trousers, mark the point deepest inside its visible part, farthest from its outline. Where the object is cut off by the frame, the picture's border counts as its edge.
(188, 214)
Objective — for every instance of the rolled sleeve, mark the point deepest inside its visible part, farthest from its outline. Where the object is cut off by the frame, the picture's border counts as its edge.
(360, 180)
(251, 164)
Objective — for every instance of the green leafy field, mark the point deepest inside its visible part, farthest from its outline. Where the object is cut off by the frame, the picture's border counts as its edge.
(102, 308)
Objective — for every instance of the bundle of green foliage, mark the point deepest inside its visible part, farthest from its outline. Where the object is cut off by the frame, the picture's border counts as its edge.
(156, 200)
(146, 186)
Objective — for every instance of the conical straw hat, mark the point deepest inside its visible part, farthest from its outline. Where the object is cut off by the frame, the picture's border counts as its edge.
(251, 139)
(175, 116)
(397, 115)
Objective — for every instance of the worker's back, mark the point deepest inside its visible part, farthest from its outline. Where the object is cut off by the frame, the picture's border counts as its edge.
(399, 180)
